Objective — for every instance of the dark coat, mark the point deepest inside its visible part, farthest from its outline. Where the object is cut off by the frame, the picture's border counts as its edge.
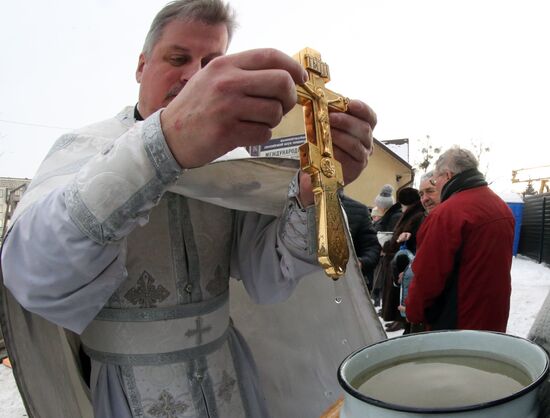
(363, 235)
(388, 221)
(385, 224)
(410, 221)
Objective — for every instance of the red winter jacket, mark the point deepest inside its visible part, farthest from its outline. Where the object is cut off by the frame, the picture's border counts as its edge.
(462, 266)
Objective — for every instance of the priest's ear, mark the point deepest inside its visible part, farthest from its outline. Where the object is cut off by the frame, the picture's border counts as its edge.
(139, 70)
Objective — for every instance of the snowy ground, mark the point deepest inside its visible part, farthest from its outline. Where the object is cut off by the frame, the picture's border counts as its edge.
(530, 285)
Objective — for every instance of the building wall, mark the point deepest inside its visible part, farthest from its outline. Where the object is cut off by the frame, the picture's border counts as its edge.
(385, 167)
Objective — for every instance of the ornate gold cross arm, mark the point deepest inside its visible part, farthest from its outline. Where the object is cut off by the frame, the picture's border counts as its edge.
(317, 159)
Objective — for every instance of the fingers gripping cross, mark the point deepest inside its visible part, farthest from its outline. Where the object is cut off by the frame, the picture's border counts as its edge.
(317, 159)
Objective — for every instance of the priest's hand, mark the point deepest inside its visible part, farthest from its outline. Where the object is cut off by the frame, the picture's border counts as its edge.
(233, 101)
(352, 142)
(352, 138)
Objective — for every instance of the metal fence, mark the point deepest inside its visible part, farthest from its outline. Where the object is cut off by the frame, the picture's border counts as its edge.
(534, 241)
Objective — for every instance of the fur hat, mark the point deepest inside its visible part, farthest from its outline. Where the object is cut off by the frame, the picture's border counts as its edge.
(408, 196)
(384, 200)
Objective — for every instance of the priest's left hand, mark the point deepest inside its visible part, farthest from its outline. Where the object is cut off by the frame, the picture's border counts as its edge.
(352, 138)
(352, 142)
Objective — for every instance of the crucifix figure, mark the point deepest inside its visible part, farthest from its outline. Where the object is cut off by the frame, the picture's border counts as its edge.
(198, 331)
(317, 159)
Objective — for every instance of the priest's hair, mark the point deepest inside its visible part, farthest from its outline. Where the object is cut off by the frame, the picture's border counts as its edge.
(211, 12)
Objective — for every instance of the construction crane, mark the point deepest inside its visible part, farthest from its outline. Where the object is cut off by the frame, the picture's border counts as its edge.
(544, 180)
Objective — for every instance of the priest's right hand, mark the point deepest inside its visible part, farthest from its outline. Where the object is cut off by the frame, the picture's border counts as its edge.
(234, 101)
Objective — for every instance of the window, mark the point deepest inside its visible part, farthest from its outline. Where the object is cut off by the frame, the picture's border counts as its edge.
(1, 192)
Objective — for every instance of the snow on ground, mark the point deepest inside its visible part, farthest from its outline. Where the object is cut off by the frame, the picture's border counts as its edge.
(11, 405)
(530, 285)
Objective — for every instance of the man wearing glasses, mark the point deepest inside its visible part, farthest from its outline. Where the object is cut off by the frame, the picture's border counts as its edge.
(429, 195)
(462, 266)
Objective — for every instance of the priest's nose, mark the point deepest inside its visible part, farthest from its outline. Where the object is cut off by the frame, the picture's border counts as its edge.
(188, 71)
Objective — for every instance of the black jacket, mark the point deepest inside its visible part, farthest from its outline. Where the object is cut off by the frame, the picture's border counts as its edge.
(363, 234)
(409, 221)
(389, 220)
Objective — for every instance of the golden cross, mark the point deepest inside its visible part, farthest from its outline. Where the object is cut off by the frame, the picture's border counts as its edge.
(317, 159)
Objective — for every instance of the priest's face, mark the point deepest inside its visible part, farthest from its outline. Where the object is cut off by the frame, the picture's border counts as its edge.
(184, 47)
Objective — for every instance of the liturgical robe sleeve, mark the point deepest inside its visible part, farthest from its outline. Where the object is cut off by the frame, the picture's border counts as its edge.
(65, 255)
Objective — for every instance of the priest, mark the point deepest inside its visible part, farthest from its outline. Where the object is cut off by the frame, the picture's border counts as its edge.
(127, 236)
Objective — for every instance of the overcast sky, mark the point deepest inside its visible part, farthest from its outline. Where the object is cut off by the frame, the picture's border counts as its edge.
(458, 71)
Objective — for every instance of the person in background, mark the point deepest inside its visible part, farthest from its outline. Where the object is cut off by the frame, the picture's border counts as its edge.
(402, 267)
(429, 197)
(413, 214)
(389, 209)
(429, 194)
(363, 235)
(109, 243)
(376, 214)
(462, 267)
(389, 213)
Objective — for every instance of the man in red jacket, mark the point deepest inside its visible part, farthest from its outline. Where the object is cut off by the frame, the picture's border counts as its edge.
(462, 266)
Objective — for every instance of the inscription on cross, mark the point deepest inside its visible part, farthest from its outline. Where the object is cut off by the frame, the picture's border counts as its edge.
(198, 331)
(317, 159)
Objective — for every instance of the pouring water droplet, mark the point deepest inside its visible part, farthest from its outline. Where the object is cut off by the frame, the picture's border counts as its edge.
(338, 290)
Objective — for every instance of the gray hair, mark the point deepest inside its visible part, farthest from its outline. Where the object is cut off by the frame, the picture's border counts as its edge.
(211, 12)
(426, 176)
(456, 160)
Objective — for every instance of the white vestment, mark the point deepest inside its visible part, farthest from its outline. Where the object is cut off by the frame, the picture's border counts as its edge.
(540, 333)
(151, 302)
